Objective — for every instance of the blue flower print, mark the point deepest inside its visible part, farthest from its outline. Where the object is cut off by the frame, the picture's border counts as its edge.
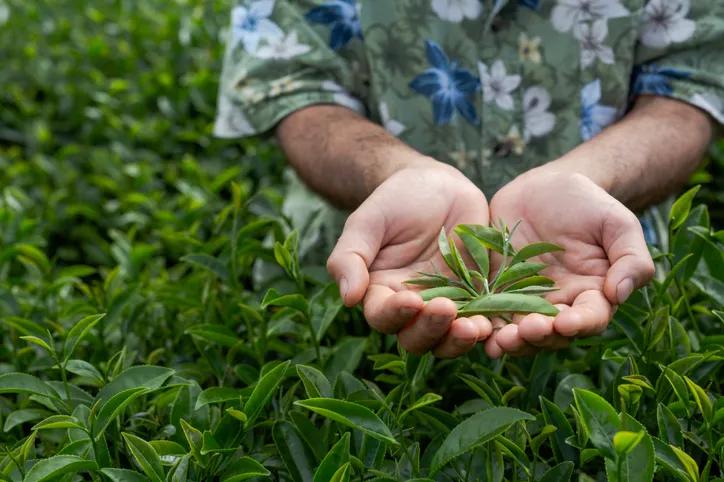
(647, 225)
(342, 16)
(447, 85)
(251, 24)
(594, 116)
(652, 79)
(532, 4)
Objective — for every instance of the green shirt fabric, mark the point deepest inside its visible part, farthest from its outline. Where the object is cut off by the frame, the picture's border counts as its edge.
(494, 87)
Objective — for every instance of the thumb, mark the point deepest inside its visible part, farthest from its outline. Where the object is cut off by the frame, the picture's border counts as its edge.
(631, 263)
(355, 251)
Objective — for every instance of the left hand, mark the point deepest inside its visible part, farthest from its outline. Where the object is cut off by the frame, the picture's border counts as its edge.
(605, 257)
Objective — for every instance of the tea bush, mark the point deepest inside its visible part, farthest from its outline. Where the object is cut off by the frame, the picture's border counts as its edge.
(138, 344)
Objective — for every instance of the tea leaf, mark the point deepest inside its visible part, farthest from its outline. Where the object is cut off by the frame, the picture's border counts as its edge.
(531, 282)
(533, 250)
(24, 383)
(295, 453)
(146, 457)
(676, 462)
(217, 395)
(460, 268)
(195, 440)
(263, 391)
(244, 468)
(600, 419)
(79, 331)
(477, 250)
(519, 271)
(506, 303)
(624, 441)
(335, 459)
(84, 369)
(639, 460)
(53, 467)
(58, 421)
(113, 407)
(142, 376)
(19, 417)
(560, 473)
(702, 400)
(123, 475)
(209, 263)
(446, 251)
(427, 281)
(681, 207)
(351, 415)
(37, 341)
(451, 292)
(555, 416)
(669, 428)
(475, 431)
(423, 401)
(488, 236)
(215, 333)
(315, 383)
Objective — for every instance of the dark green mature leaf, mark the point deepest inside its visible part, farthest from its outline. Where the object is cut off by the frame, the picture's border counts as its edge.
(263, 391)
(669, 428)
(195, 440)
(351, 415)
(78, 332)
(244, 468)
(142, 376)
(540, 283)
(146, 457)
(563, 396)
(24, 383)
(58, 421)
(19, 417)
(553, 415)
(296, 301)
(123, 475)
(702, 400)
(475, 431)
(315, 383)
(217, 395)
(599, 418)
(676, 462)
(296, 454)
(53, 467)
(451, 292)
(215, 333)
(84, 369)
(336, 458)
(423, 401)
(169, 452)
(507, 303)
(681, 207)
(477, 250)
(490, 237)
(560, 473)
(113, 407)
(209, 263)
(519, 271)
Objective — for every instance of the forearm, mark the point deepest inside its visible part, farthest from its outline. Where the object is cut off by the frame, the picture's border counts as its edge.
(341, 155)
(647, 155)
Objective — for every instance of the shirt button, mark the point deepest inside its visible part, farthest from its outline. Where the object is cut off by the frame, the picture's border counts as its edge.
(497, 24)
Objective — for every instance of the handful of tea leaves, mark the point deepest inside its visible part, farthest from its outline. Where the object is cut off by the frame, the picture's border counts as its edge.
(516, 288)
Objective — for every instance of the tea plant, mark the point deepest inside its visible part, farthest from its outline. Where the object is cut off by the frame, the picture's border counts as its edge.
(161, 318)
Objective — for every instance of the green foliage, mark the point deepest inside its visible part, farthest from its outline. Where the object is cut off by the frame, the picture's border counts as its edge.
(161, 320)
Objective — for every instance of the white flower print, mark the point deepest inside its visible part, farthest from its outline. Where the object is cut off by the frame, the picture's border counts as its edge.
(283, 85)
(230, 121)
(665, 22)
(497, 84)
(393, 127)
(456, 10)
(537, 120)
(251, 24)
(711, 104)
(592, 37)
(567, 13)
(342, 96)
(282, 48)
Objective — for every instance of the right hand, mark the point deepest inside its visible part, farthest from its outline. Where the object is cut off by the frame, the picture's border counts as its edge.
(390, 238)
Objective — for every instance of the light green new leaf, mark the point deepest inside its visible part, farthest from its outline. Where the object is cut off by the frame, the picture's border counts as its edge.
(124, 475)
(83, 369)
(315, 383)
(460, 268)
(296, 301)
(507, 303)
(702, 400)
(336, 458)
(243, 469)
(475, 431)
(59, 421)
(490, 237)
(519, 271)
(217, 395)
(599, 418)
(24, 383)
(637, 462)
(423, 401)
(477, 250)
(142, 376)
(681, 208)
(112, 408)
(444, 246)
(263, 391)
(624, 442)
(451, 292)
(195, 440)
(560, 473)
(351, 415)
(38, 341)
(343, 474)
(294, 451)
(676, 462)
(78, 332)
(146, 457)
(53, 467)
(533, 250)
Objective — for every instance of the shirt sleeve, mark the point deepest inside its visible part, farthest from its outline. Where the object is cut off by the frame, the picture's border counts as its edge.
(680, 53)
(282, 56)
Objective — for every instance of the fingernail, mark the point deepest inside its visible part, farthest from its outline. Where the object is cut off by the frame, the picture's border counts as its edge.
(624, 290)
(408, 311)
(343, 288)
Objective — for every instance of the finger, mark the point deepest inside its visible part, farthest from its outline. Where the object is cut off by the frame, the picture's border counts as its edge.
(631, 263)
(509, 340)
(388, 311)
(356, 249)
(431, 325)
(537, 330)
(588, 315)
(462, 336)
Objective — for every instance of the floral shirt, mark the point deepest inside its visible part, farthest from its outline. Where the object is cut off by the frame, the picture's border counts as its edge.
(494, 87)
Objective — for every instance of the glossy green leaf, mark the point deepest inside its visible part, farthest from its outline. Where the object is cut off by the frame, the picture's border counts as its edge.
(145, 456)
(450, 292)
(38, 341)
(553, 415)
(53, 467)
(342, 474)
(79, 331)
(244, 468)
(351, 415)
(624, 442)
(475, 431)
(58, 421)
(195, 440)
(534, 249)
(315, 383)
(143, 376)
(263, 391)
(444, 246)
(477, 251)
(113, 408)
(669, 428)
(702, 400)
(560, 473)
(675, 462)
(423, 401)
(519, 271)
(123, 475)
(169, 452)
(217, 395)
(681, 207)
(19, 417)
(490, 237)
(219, 334)
(507, 303)
(83, 369)
(599, 418)
(24, 383)
(336, 458)
(295, 453)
